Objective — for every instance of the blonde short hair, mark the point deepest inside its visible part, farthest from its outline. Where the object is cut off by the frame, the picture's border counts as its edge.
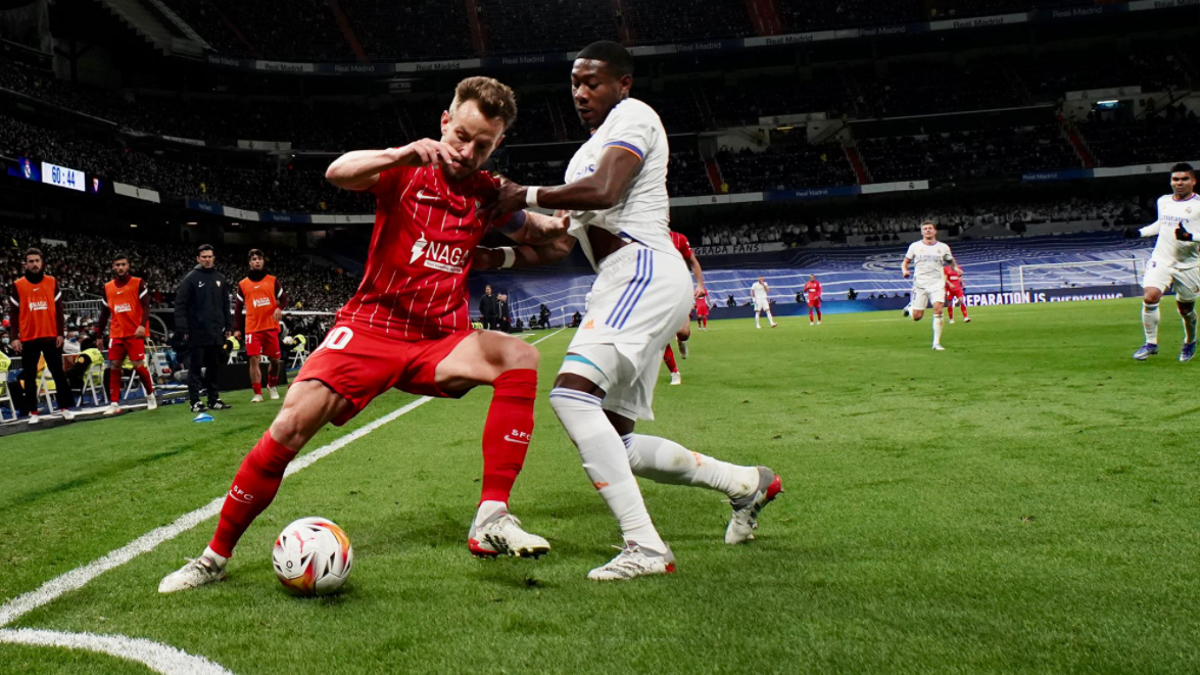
(495, 99)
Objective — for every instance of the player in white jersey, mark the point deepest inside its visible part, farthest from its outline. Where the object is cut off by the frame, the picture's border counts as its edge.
(616, 193)
(1174, 262)
(929, 280)
(758, 296)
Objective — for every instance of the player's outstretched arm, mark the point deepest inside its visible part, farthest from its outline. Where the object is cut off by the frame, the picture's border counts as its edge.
(535, 229)
(525, 255)
(360, 169)
(599, 191)
(699, 273)
(1150, 230)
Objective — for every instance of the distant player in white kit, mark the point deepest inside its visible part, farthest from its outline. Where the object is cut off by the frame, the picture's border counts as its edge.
(616, 193)
(929, 281)
(758, 295)
(1174, 262)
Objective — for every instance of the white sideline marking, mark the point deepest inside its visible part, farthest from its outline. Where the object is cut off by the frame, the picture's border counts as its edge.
(159, 657)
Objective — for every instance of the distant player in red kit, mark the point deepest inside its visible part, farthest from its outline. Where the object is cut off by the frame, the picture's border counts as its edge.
(407, 327)
(812, 293)
(685, 249)
(702, 310)
(125, 312)
(262, 299)
(954, 291)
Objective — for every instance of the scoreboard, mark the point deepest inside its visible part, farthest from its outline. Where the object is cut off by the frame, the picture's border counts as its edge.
(64, 177)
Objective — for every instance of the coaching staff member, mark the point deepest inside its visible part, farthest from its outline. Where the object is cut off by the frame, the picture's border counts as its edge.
(202, 314)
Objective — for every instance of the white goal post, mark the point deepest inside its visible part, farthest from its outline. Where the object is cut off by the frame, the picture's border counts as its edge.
(1044, 276)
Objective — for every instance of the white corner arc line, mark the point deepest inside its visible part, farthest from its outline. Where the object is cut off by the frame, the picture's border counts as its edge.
(156, 656)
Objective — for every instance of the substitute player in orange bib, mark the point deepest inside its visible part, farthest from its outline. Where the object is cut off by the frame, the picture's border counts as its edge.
(37, 322)
(408, 327)
(260, 303)
(125, 311)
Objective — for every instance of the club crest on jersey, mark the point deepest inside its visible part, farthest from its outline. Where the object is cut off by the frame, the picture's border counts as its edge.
(441, 257)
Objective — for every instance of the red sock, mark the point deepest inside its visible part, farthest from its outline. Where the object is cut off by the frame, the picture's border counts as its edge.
(114, 385)
(818, 314)
(810, 314)
(257, 388)
(272, 379)
(507, 432)
(669, 359)
(950, 309)
(144, 376)
(963, 309)
(254, 487)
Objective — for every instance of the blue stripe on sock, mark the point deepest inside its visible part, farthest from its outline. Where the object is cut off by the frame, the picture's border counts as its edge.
(641, 291)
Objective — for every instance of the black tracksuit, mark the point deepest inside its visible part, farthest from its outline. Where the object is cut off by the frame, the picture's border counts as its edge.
(202, 314)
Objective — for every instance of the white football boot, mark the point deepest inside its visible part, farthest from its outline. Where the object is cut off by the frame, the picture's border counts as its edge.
(68, 414)
(676, 378)
(257, 398)
(274, 393)
(504, 536)
(112, 409)
(632, 562)
(34, 419)
(746, 509)
(206, 569)
(151, 402)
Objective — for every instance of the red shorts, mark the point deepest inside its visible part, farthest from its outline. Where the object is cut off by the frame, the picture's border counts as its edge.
(952, 294)
(263, 342)
(814, 303)
(360, 363)
(119, 348)
(702, 311)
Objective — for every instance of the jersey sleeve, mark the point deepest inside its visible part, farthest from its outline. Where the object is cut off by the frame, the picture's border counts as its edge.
(685, 247)
(910, 254)
(633, 128)
(390, 181)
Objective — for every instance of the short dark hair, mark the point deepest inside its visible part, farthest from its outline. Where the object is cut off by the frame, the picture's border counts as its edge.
(619, 60)
(256, 252)
(202, 248)
(34, 251)
(495, 99)
(929, 222)
(120, 256)
(1185, 168)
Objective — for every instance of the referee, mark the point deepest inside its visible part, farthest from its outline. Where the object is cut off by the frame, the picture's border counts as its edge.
(202, 314)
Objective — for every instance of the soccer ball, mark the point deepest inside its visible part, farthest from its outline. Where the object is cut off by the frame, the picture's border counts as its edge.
(289, 341)
(948, 259)
(312, 557)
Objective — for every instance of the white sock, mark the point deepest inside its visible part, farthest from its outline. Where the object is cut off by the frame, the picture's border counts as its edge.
(606, 464)
(769, 317)
(1189, 326)
(488, 510)
(665, 461)
(937, 329)
(757, 314)
(217, 558)
(1150, 322)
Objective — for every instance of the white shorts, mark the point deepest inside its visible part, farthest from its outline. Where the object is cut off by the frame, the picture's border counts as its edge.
(639, 300)
(762, 305)
(1163, 277)
(928, 294)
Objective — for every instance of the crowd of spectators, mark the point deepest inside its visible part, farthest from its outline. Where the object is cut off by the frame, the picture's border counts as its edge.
(896, 223)
(977, 154)
(1171, 135)
(785, 167)
(82, 263)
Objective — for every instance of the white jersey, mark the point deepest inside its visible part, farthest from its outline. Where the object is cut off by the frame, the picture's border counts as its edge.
(642, 213)
(929, 259)
(1169, 250)
(759, 292)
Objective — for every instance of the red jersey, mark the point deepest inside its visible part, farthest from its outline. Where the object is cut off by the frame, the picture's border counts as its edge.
(702, 304)
(415, 282)
(682, 245)
(953, 279)
(812, 291)
(124, 303)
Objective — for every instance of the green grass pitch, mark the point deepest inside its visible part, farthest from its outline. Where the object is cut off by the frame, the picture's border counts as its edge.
(1025, 501)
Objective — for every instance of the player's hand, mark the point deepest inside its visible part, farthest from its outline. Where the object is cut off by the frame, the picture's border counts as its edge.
(1182, 234)
(427, 151)
(140, 332)
(487, 258)
(511, 196)
(278, 315)
(544, 230)
(906, 274)
(58, 342)
(16, 346)
(237, 334)
(699, 292)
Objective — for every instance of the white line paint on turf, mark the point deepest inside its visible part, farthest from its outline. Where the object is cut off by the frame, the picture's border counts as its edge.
(159, 657)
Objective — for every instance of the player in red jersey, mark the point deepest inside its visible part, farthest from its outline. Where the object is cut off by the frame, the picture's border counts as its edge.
(812, 293)
(125, 311)
(954, 290)
(407, 326)
(685, 249)
(702, 310)
(262, 297)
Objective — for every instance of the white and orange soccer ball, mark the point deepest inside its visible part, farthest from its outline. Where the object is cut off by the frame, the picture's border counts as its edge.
(312, 557)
